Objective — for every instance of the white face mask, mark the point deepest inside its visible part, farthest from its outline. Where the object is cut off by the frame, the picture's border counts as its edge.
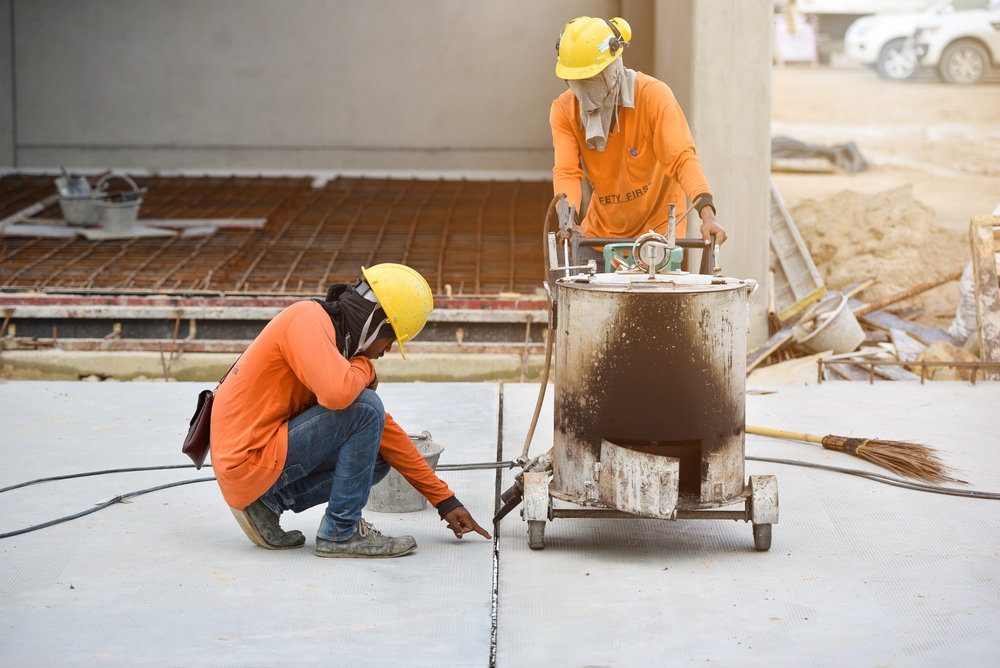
(599, 101)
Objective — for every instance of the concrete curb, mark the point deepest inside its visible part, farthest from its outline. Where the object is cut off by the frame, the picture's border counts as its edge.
(209, 367)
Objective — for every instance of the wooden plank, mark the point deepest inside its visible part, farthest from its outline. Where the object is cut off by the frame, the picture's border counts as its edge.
(848, 371)
(758, 355)
(887, 322)
(911, 291)
(981, 233)
(855, 288)
(802, 304)
(907, 347)
(797, 274)
(890, 372)
(29, 211)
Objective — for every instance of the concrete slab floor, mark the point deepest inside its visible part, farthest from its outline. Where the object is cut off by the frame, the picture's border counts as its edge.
(859, 573)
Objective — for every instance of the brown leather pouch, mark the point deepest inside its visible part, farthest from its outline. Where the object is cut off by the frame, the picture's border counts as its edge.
(199, 437)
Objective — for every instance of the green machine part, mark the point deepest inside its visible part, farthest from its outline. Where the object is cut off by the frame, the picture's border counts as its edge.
(624, 253)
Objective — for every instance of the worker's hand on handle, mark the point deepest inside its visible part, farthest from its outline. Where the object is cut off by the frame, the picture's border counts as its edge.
(461, 522)
(710, 227)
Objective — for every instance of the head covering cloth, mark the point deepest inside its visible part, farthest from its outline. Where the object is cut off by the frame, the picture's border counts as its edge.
(599, 101)
(352, 310)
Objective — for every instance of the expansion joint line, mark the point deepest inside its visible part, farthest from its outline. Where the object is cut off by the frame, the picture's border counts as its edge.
(495, 604)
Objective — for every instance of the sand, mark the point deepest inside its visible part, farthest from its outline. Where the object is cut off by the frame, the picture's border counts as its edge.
(889, 236)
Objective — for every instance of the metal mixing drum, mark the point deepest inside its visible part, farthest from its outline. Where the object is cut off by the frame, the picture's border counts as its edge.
(650, 402)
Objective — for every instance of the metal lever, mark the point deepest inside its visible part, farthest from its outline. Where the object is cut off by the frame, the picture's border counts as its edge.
(672, 225)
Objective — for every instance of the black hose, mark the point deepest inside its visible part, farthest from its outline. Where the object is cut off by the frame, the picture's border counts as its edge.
(545, 231)
(102, 506)
(884, 479)
(876, 477)
(84, 475)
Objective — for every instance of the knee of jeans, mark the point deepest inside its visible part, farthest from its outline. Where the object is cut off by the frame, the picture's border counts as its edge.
(370, 398)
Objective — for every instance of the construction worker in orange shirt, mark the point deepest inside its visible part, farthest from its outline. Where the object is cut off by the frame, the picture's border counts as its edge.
(631, 136)
(297, 422)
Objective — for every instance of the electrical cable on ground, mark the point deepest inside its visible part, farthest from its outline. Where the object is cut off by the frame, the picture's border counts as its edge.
(884, 479)
(875, 477)
(102, 506)
(440, 467)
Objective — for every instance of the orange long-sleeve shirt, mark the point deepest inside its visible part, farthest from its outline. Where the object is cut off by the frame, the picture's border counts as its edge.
(291, 366)
(648, 163)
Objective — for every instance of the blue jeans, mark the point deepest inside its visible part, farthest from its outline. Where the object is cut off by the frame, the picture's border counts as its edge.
(332, 458)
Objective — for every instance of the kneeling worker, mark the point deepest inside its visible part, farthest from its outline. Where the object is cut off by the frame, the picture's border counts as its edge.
(631, 135)
(297, 422)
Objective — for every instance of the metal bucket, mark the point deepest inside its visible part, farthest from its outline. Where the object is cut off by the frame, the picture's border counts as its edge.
(117, 212)
(393, 494)
(76, 199)
(836, 328)
(78, 210)
(650, 391)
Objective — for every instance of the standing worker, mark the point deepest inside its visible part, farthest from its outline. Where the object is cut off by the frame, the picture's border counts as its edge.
(297, 423)
(631, 135)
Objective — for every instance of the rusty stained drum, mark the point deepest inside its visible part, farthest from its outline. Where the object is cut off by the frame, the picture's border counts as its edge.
(656, 366)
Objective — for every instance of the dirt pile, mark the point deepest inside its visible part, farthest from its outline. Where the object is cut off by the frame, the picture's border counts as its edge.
(888, 236)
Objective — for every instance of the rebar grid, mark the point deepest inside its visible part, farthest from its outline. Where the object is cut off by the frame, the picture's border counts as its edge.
(466, 237)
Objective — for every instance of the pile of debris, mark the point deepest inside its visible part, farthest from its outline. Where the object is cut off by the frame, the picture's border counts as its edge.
(818, 334)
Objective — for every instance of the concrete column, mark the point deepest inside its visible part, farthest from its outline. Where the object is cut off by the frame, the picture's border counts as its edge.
(716, 57)
(7, 126)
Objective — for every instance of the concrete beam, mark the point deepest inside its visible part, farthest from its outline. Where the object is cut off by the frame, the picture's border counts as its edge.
(209, 367)
(716, 57)
(242, 313)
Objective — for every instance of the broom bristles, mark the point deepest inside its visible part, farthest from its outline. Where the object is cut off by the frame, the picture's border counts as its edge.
(910, 460)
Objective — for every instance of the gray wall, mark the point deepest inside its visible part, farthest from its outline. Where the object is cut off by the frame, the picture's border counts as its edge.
(310, 84)
(6, 86)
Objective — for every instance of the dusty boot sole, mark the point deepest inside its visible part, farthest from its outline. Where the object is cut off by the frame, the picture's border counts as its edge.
(251, 531)
(348, 555)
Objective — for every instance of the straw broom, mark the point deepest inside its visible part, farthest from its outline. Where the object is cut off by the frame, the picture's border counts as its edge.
(910, 460)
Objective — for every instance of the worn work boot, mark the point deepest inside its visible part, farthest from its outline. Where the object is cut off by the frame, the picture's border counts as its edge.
(367, 542)
(261, 526)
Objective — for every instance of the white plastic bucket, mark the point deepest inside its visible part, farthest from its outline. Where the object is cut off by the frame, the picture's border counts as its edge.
(394, 494)
(836, 328)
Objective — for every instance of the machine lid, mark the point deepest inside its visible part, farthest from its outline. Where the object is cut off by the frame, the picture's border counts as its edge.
(670, 282)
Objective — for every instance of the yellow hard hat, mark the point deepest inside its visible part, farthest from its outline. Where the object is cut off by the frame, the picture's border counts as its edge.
(404, 296)
(587, 45)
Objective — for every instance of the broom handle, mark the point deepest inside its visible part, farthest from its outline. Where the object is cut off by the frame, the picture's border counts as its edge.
(777, 433)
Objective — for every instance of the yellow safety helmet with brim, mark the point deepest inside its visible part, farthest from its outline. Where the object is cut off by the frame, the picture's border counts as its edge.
(588, 45)
(404, 296)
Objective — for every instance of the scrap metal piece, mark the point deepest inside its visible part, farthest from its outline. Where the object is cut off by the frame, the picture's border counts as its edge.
(638, 482)
(763, 499)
